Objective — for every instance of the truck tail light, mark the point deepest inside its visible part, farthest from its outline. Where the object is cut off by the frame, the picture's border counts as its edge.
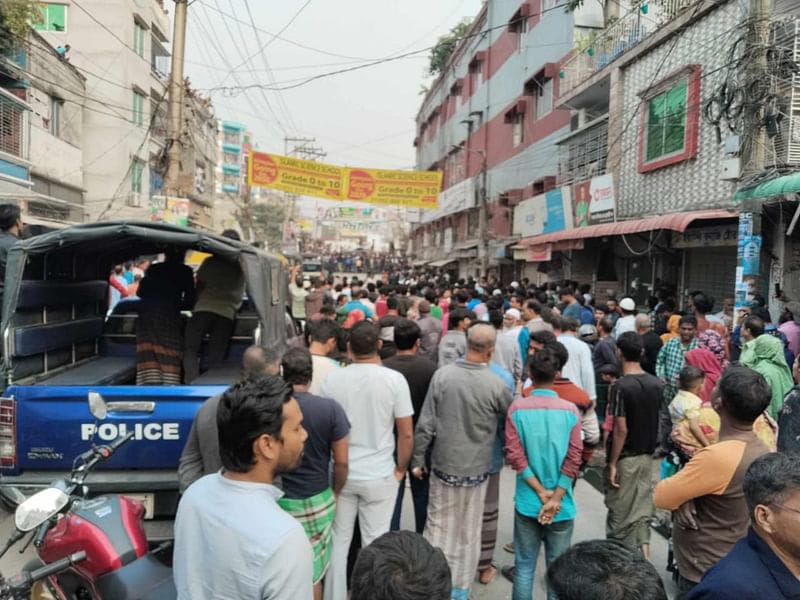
(8, 433)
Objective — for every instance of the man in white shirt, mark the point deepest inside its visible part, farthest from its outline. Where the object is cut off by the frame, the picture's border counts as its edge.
(377, 400)
(298, 290)
(323, 339)
(579, 368)
(627, 322)
(232, 540)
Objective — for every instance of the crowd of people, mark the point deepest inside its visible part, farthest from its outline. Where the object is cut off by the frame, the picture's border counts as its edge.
(431, 386)
(362, 261)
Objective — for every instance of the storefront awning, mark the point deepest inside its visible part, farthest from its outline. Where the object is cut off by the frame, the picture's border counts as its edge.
(672, 222)
(788, 184)
(465, 246)
(441, 263)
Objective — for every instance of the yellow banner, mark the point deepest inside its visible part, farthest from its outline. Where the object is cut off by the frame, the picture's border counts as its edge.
(296, 176)
(409, 189)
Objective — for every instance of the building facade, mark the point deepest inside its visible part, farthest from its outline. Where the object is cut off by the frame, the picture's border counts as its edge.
(119, 46)
(233, 144)
(42, 109)
(665, 135)
(199, 161)
(490, 123)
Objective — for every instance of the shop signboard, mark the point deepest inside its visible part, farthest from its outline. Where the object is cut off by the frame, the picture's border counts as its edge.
(558, 207)
(707, 237)
(594, 201)
(529, 217)
(581, 199)
(177, 212)
(603, 201)
(543, 253)
(454, 199)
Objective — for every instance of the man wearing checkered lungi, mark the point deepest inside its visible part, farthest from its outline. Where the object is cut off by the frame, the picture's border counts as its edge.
(461, 412)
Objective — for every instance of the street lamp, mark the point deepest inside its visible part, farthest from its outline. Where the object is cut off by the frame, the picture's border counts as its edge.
(483, 215)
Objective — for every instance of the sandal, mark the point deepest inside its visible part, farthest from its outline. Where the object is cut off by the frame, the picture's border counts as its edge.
(488, 575)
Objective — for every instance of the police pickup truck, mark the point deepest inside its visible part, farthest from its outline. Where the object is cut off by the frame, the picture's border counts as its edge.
(59, 344)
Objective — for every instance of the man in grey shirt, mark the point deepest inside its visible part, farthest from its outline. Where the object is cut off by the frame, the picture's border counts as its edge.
(461, 411)
(453, 346)
(200, 455)
(232, 540)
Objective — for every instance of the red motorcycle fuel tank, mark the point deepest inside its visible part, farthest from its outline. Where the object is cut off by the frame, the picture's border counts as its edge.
(108, 528)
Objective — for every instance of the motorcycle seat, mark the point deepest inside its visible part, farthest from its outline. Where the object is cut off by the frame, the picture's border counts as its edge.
(144, 579)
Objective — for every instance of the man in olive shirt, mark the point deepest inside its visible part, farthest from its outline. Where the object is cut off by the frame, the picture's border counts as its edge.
(709, 510)
(220, 287)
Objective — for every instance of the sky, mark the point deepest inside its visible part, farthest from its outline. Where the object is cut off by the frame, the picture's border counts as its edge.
(361, 118)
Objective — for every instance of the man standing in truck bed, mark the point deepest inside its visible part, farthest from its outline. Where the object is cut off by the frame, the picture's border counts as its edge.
(220, 287)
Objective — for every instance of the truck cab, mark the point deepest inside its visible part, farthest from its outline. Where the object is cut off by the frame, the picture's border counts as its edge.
(60, 343)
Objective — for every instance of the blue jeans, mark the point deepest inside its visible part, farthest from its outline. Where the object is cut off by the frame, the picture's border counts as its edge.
(528, 537)
(419, 494)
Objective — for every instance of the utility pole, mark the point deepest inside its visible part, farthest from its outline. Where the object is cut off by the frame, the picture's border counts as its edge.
(750, 277)
(175, 106)
(303, 150)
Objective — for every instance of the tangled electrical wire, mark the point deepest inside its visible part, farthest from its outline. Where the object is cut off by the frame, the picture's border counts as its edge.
(745, 96)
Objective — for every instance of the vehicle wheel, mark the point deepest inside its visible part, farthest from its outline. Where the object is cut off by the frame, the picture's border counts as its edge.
(10, 498)
(7, 505)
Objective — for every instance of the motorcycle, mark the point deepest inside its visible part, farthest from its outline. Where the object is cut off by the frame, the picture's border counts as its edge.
(98, 544)
(27, 585)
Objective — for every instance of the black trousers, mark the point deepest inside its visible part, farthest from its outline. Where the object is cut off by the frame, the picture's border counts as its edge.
(684, 587)
(219, 330)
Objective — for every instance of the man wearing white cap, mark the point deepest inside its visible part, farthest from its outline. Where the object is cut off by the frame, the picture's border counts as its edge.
(627, 322)
(512, 327)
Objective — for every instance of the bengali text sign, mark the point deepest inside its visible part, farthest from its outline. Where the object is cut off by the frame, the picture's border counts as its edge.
(296, 176)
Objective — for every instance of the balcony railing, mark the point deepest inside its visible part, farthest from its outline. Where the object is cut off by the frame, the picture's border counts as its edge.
(603, 47)
(582, 155)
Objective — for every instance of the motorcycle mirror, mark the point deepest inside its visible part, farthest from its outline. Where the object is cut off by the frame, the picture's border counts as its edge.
(97, 406)
(39, 507)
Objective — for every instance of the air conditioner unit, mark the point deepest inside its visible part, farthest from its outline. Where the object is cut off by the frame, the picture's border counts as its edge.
(783, 146)
(135, 200)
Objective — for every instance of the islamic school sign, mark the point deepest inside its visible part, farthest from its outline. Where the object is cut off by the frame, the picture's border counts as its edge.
(410, 189)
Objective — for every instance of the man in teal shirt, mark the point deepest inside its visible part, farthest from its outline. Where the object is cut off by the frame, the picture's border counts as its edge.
(543, 445)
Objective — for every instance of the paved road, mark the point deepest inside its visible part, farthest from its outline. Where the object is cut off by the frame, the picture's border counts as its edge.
(590, 524)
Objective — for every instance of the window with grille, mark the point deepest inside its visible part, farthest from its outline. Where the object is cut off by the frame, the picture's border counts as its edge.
(544, 98)
(137, 175)
(11, 128)
(666, 122)
(138, 38)
(585, 154)
(56, 110)
(476, 72)
(518, 129)
(473, 221)
(669, 121)
(53, 17)
(138, 108)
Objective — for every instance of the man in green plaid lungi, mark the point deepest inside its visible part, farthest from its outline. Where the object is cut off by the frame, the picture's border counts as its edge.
(308, 495)
(316, 515)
